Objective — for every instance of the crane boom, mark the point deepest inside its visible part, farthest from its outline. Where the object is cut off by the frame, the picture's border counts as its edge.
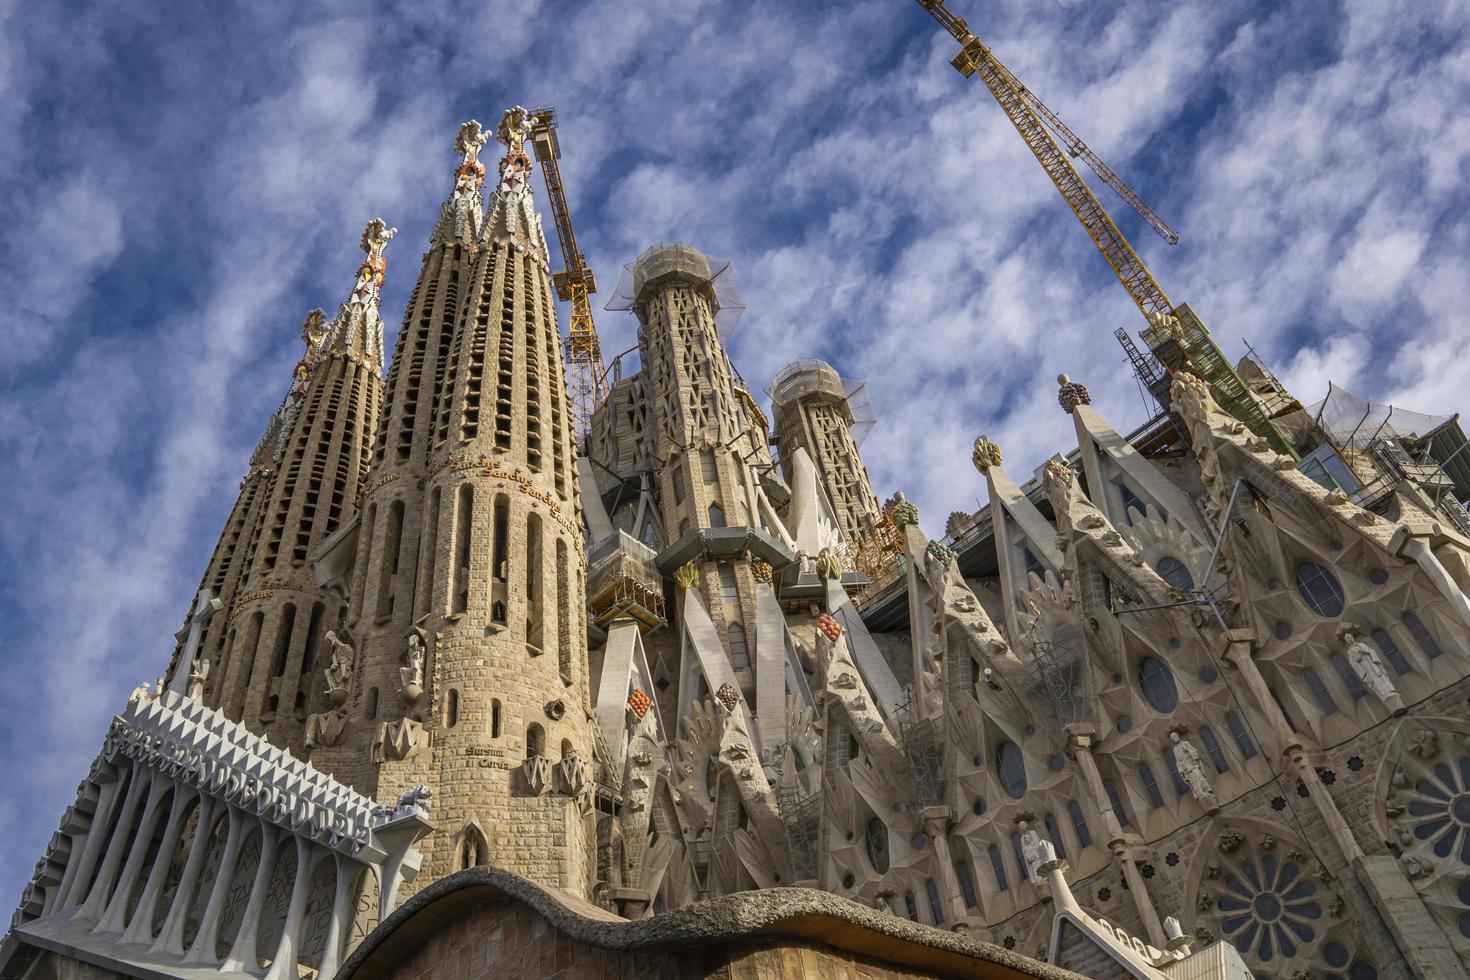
(1077, 148)
(574, 282)
(977, 59)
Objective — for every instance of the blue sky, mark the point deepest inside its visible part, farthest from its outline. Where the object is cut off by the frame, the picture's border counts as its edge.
(183, 182)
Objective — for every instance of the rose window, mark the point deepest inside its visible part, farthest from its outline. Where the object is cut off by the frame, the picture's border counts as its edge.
(1439, 808)
(1269, 907)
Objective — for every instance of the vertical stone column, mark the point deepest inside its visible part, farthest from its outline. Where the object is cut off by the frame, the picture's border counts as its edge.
(171, 937)
(243, 956)
(79, 871)
(344, 904)
(97, 898)
(203, 948)
(936, 822)
(140, 929)
(283, 961)
(115, 915)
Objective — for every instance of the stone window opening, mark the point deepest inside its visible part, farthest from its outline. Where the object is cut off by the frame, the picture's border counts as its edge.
(451, 708)
(1150, 785)
(392, 546)
(1241, 734)
(1320, 590)
(1157, 682)
(1391, 652)
(430, 545)
(998, 868)
(500, 558)
(966, 875)
(567, 751)
(910, 905)
(494, 717)
(1422, 637)
(283, 639)
(936, 907)
(473, 851)
(1319, 691)
(1011, 767)
(1349, 677)
(370, 706)
(535, 741)
(739, 653)
(716, 515)
(1079, 824)
(459, 573)
(1054, 834)
(533, 590)
(875, 842)
(1214, 750)
(1174, 572)
(1115, 803)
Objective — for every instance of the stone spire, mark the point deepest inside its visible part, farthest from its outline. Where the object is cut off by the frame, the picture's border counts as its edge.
(461, 215)
(512, 217)
(356, 332)
(267, 674)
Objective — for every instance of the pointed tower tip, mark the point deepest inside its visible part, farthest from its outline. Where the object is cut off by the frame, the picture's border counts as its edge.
(460, 217)
(515, 165)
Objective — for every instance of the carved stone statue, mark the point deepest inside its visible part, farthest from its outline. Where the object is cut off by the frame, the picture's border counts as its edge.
(411, 674)
(198, 674)
(1370, 670)
(1191, 770)
(1031, 851)
(414, 800)
(338, 673)
(139, 693)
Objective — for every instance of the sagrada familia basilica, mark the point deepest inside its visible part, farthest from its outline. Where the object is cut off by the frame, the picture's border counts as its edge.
(469, 691)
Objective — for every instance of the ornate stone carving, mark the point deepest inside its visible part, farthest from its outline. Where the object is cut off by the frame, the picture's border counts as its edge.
(411, 674)
(1424, 743)
(1031, 851)
(198, 674)
(728, 696)
(687, 577)
(573, 777)
(338, 673)
(398, 740)
(761, 570)
(1370, 670)
(985, 455)
(828, 626)
(556, 709)
(828, 568)
(537, 772)
(1192, 771)
(325, 728)
(939, 554)
(903, 512)
(638, 702)
(1071, 394)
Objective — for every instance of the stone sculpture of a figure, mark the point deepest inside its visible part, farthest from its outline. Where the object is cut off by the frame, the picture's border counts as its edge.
(1370, 670)
(339, 671)
(198, 674)
(1031, 850)
(411, 674)
(1191, 770)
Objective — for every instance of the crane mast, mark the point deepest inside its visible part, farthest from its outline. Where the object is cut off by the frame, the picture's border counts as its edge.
(1176, 335)
(574, 282)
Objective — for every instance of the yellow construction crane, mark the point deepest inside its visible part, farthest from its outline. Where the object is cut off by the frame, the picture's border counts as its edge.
(1176, 334)
(574, 283)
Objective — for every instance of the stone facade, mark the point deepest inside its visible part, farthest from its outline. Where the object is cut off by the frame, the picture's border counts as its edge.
(1215, 670)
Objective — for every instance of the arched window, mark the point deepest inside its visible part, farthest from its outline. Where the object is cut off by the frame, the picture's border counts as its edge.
(1241, 735)
(1130, 504)
(472, 849)
(1079, 824)
(1319, 691)
(729, 592)
(1054, 834)
(1391, 652)
(911, 906)
(1350, 678)
(370, 707)
(678, 485)
(451, 708)
(707, 466)
(567, 750)
(739, 653)
(1150, 785)
(936, 908)
(966, 875)
(1421, 636)
(1213, 750)
(535, 741)
(1011, 766)
(1172, 570)
(494, 717)
(875, 841)
(1180, 786)
(998, 868)
(716, 515)
(1157, 682)
(1320, 589)
(1117, 804)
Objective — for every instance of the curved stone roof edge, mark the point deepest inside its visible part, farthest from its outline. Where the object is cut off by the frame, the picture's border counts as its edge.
(802, 913)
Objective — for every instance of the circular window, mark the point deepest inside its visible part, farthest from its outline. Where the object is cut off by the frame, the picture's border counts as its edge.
(1123, 724)
(1269, 909)
(1282, 631)
(918, 842)
(1209, 675)
(1011, 766)
(978, 807)
(1172, 570)
(1157, 682)
(1320, 589)
(875, 842)
(1378, 576)
(1336, 954)
(848, 880)
(1057, 763)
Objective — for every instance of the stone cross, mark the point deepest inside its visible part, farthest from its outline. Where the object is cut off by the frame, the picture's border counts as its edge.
(205, 606)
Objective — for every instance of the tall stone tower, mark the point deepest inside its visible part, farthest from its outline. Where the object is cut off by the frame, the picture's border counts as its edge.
(817, 410)
(472, 675)
(708, 436)
(302, 487)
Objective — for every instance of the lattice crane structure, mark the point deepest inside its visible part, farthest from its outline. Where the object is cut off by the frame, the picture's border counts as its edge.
(1176, 335)
(586, 385)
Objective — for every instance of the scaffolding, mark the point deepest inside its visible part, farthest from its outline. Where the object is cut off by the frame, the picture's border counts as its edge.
(809, 377)
(1062, 680)
(623, 580)
(676, 259)
(923, 746)
(801, 816)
